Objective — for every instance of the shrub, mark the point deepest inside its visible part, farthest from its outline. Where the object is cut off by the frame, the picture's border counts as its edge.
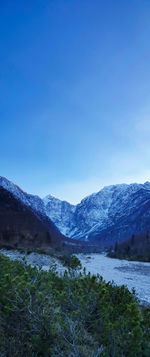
(44, 314)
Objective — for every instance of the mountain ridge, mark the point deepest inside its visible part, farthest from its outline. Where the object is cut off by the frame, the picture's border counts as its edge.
(113, 213)
(21, 227)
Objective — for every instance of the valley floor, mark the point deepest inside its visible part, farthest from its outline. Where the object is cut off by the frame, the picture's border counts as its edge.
(132, 274)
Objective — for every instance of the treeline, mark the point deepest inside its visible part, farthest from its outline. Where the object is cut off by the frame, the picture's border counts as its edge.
(43, 314)
(135, 248)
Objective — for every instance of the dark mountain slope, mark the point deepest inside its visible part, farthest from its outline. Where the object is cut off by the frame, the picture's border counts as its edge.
(112, 214)
(19, 225)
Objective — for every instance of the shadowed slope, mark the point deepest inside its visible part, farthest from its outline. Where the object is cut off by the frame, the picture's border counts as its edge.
(19, 225)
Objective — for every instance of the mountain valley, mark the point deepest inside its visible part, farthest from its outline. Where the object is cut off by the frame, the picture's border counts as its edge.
(112, 214)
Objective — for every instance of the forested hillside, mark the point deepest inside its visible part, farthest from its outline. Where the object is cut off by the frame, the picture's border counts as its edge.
(137, 247)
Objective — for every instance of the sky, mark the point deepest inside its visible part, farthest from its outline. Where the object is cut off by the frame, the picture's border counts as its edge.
(74, 94)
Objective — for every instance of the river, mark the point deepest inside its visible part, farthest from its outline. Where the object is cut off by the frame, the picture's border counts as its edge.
(132, 274)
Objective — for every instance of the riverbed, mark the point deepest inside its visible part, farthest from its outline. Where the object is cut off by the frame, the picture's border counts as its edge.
(132, 274)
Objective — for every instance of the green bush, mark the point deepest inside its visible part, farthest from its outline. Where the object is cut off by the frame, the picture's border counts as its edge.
(71, 261)
(43, 314)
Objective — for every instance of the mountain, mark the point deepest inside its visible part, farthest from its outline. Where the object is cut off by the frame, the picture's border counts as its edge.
(112, 214)
(34, 202)
(60, 212)
(21, 227)
(24, 223)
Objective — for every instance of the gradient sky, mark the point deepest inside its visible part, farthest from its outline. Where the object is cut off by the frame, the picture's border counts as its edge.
(74, 94)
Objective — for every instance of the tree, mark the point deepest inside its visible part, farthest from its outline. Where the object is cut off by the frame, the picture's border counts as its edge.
(116, 246)
(133, 239)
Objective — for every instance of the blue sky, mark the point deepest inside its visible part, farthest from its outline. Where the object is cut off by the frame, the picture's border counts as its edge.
(74, 94)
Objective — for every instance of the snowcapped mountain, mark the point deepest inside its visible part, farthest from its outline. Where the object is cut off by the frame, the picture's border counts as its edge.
(20, 226)
(113, 213)
(61, 212)
(34, 202)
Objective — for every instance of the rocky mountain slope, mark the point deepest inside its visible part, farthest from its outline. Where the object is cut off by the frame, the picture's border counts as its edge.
(60, 212)
(24, 223)
(21, 227)
(113, 213)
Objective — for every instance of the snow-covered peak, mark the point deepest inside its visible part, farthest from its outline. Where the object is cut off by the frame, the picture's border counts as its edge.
(60, 212)
(118, 188)
(147, 185)
(49, 198)
(52, 198)
(113, 206)
(34, 202)
(97, 211)
(13, 188)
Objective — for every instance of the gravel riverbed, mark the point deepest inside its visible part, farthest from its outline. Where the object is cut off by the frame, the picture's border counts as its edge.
(132, 274)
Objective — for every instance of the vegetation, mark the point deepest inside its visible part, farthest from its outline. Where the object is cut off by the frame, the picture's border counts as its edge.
(70, 261)
(134, 248)
(74, 315)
